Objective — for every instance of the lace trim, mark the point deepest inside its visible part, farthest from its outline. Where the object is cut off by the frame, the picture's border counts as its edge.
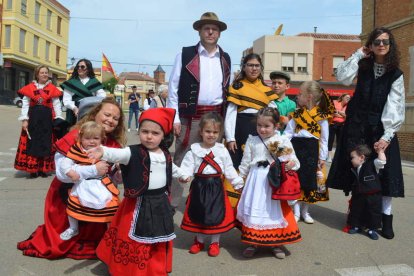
(282, 224)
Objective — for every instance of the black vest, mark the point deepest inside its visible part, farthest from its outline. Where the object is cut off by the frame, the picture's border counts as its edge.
(367, 181)
(370, 96)
(189, 84)
(136, 173)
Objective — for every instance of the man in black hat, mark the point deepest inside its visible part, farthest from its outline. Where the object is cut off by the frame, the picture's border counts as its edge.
(133, 100)
(198, 84)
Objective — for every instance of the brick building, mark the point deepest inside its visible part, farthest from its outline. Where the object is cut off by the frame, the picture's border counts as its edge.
(306, 56)
(398, 16)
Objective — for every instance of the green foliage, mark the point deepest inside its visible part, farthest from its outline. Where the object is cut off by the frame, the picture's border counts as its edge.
(109, 85)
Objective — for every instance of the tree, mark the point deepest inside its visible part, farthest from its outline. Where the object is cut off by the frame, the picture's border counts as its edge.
(109, 85)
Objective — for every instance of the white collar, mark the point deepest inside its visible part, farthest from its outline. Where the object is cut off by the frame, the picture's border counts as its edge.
(201, 152)
(203, 51)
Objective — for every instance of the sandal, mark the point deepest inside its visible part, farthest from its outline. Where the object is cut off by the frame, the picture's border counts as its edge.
(68, 234)
(249, 251)
(278, 252)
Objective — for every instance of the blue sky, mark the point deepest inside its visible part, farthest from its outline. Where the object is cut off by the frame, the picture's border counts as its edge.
(147, 33)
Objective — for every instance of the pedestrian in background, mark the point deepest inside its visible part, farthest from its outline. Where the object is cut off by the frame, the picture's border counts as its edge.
(161, 99)
(150, 98)
(335, 128)
(133, 100)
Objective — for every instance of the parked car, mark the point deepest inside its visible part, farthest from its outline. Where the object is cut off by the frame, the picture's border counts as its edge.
(18, 102)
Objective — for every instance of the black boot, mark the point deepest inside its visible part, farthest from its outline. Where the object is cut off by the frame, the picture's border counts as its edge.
(387, 231)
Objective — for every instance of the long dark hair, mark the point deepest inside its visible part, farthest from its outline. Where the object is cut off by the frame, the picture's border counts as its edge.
(391, 59)
(91, 73)
(246, 59)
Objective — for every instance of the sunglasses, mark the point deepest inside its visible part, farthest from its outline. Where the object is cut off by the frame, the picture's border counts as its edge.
(83, 67)
(385, 42)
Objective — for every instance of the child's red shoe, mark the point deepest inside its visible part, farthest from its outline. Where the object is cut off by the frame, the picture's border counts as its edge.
(214, 249)
(196, 247)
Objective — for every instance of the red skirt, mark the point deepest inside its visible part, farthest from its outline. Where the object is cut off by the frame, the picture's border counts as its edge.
(33, 164)
(45, 241)
(274, 237)
(125, 256)
(227, 224)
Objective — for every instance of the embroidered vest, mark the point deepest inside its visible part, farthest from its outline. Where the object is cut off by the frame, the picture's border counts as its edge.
(81, 90)
(370, 97)
(189, 84)
(136, 173)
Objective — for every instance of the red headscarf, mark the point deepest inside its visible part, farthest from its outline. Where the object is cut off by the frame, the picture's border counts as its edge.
(162, 116)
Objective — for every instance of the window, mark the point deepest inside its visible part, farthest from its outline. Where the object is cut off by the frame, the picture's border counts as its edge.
(47, 50)
(37, 12)
(302, 63)
(35, 46)
(8, 79)
(22, 45)
(9, 4)
(336, 62)
(23, 79)
(287, 62)
(23, 7)
(59, 24)
(57, 54)
(7, 36)
(49, 20)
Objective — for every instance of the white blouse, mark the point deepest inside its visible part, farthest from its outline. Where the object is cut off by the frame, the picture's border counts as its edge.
(256, 151)
(323, 140)
(67, 95)
(194, 157)
(158, 178)
(393, 114)
(57, 107)
(231, 117)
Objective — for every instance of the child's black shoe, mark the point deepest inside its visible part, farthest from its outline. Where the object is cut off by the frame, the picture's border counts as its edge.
(372, 234)
(354, 230)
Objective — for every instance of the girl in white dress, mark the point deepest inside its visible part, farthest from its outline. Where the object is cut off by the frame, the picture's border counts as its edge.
(265, 222)
(96, 192)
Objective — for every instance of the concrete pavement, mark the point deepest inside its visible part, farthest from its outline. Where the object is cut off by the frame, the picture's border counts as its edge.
(325, 249)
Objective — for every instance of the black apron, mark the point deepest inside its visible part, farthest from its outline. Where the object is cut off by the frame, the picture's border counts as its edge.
(207, 195)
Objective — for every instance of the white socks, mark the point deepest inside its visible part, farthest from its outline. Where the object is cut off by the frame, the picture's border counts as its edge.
(386, 205)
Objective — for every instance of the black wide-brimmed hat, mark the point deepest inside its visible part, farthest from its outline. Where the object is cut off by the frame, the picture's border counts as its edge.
(209, 18)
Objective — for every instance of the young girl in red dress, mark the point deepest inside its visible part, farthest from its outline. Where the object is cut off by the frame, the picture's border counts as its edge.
(208, 210)
(139, 239)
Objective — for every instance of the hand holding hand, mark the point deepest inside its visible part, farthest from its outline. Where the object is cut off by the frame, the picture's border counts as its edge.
(381, 145)
(184, 180)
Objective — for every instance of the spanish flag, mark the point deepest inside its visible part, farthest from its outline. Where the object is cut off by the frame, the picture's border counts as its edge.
(107, 70)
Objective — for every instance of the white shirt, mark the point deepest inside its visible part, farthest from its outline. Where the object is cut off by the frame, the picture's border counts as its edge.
(393, 114)
(158, 178)
(194, 157)
(323, 140)
(67, 95)
(211, 78)
(57, 107)
(231, 118)
(256, 151)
